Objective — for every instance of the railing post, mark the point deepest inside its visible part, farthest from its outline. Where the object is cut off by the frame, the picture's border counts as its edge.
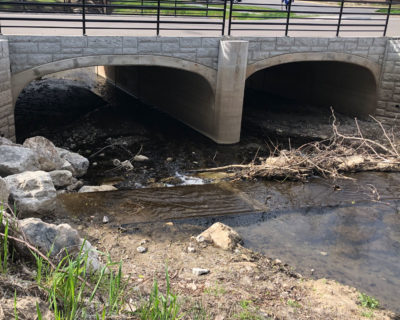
(230, 17)
(158, 17)
(223, 17)
(84, 17)
(288, 18)
(175, 7)
(387, 18)
(207, 8)
(340, 18)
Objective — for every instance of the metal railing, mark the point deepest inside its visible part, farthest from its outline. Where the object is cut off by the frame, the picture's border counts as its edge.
(221, 16)
(318, 16)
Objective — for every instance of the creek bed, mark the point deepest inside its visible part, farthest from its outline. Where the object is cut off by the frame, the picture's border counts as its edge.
(345, 230)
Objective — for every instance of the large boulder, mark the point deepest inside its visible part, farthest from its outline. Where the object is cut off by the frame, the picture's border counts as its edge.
(57, 240)
(6, 142)
(61, 178)
(32, 191)
(46, 153)
(221, 236)
(79, 164)
(4, 193)
(16, 159)
(103, 187)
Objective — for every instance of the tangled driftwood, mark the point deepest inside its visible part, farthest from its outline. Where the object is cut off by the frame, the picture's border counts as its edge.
(329, 158)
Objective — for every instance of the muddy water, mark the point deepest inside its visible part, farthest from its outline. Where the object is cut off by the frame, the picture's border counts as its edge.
(347, 230)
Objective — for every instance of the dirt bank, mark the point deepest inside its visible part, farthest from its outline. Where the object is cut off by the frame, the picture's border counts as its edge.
(241, 284)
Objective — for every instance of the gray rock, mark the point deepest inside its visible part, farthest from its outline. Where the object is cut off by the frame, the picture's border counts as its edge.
(61, 178)
(4, 193)
(106, 219)
(67, 166)
(200, 271)
(16, 159)
(46, 153)
(140, 158)
(32, 191)
(75, 186)
(127, 165)
(79, 164)
(141, 249)
(55, 239)
(221, 236)
(104, 187)
(6, 142)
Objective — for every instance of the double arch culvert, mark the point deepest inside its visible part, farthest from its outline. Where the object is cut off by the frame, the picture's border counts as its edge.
(347, 82)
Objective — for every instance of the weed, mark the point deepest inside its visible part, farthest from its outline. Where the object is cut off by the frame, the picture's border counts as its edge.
(3, 244)
(197, 312)
(15, 306)
(246, 313)
(216, 290)
(368, 301)
(293, 303)
(367, 314)
(160, 307)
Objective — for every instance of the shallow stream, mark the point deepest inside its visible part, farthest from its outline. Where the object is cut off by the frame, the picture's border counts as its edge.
(347, 230)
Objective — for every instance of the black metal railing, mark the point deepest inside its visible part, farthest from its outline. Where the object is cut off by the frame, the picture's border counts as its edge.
(218, 16)
(319, 16)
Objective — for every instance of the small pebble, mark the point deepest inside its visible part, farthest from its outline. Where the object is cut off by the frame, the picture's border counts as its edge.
(191, 249)
(106, 219)
(200, 238)
(312, 271)
(169, 159)
(140, 158)
(324, 253)
(144, 241)
(141, 249)
(94, 164)
(200, 271)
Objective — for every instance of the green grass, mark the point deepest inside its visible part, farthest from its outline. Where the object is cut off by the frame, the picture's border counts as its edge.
(247, 312)
(182, 8)
(72, 288)
(159, 306)
(4, 256)
(394, 10)
(368, 301)
(293, 303)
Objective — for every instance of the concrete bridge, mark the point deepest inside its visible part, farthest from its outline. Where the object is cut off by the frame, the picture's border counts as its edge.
(201, 80)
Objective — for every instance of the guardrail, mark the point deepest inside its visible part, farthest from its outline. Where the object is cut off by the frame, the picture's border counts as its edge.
(225, 16)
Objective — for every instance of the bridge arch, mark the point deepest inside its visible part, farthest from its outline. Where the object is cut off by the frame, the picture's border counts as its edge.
(373, 67)
(346, 82)
(21, 79)
(192, 102)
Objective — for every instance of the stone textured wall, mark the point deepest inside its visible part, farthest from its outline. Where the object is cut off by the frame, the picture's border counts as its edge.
(27, 52)
(263, 48)
(388, 108)
(7, 128)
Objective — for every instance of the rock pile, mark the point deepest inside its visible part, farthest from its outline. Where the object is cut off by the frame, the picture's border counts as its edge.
(34, 171)
(31, 174)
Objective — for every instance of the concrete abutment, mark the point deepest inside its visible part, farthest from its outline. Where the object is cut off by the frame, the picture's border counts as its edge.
(201, 80)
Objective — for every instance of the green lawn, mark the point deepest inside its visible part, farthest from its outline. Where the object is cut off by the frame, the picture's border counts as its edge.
(180, 8)
(394, 10)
